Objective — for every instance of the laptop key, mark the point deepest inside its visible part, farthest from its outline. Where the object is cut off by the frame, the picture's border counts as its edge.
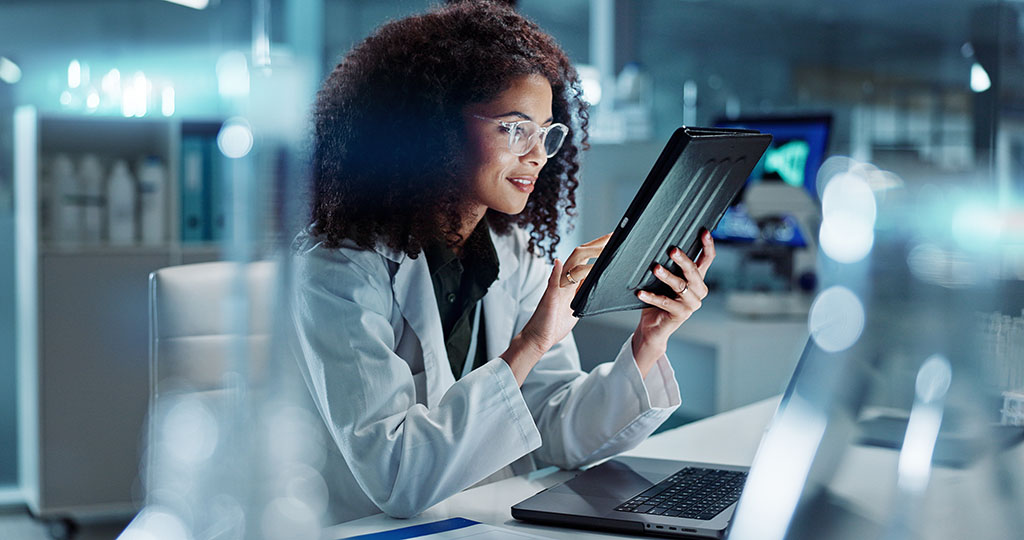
(693, 493)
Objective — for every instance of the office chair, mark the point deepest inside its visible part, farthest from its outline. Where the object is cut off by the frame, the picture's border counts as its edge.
(194, 344)
(192, 335)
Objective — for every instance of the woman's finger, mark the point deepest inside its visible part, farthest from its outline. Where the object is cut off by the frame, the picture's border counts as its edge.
(581, 256)
(580, 272)
(576, 263)
(557, 277)
(584, 253)
(587, 251)
(691, 273)
(707, 255)
(602, 240)
(691, 300)
(674, 282)
(675, 308)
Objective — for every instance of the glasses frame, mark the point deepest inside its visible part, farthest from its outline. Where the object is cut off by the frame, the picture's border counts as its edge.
(541, 130)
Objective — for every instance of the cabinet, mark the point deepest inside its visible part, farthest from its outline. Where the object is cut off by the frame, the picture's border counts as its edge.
(82, 323)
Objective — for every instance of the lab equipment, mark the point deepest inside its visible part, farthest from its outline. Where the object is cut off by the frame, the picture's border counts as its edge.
(773, 223)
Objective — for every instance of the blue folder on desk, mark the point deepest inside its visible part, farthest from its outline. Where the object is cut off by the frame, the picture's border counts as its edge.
(417, 531)
(451, 529)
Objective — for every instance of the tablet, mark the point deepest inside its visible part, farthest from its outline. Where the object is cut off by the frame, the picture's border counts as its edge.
(696, 177)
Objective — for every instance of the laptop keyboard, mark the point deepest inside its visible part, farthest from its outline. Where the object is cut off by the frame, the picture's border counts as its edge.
(693, 493)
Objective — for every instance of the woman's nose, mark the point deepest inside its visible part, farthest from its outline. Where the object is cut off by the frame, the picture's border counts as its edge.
(538, 154)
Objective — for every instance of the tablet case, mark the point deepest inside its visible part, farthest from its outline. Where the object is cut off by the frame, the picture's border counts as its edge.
(696, 177)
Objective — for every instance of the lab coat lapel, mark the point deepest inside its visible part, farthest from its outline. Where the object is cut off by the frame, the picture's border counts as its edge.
(414, 293)
(500, 305)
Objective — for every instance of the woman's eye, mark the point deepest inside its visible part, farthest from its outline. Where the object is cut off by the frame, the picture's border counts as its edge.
(520, 132)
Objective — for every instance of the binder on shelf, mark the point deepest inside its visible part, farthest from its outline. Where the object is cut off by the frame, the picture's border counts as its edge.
(217, 194)
(193, 187)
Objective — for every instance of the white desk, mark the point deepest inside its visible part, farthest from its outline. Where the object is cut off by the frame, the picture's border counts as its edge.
(730, 438)
(960, 503)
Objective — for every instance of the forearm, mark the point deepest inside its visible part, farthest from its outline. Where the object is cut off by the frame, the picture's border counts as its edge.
(522, 354)
(406, 461)
(647, 351)
(599, 414)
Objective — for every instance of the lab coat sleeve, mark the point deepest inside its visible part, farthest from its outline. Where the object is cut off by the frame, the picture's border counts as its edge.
(404, 456)
(587, 417)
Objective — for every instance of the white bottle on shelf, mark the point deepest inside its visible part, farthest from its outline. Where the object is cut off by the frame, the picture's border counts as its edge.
(93, 202)
(121, 196)
(64, 209)
(152, 189)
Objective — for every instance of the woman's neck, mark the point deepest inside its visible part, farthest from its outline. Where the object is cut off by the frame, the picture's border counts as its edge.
(468, 224)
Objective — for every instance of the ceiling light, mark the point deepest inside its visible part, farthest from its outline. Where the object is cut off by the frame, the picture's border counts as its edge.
(194, 4)
(74, 74)
(10, 73)
(980, 81)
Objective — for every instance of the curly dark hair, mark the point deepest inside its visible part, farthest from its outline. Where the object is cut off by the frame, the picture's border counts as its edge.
(389, 144)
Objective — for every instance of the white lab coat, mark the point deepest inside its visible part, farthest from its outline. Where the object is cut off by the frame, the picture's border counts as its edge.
(369, 342)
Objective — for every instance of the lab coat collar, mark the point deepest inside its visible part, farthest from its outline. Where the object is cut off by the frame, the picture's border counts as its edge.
(503, 246)
(507, 260)
(390, 253)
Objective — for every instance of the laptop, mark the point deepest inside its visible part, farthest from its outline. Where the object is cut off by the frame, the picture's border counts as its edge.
(661, 497)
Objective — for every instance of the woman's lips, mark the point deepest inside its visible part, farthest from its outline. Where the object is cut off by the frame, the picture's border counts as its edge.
(522, 183)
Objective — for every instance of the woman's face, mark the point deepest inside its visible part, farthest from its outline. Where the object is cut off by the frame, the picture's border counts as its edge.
(500, 180)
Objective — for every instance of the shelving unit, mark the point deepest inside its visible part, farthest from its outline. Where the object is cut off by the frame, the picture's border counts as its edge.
(83, 326)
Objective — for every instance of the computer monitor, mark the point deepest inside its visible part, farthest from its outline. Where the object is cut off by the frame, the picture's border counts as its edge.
(797, 151)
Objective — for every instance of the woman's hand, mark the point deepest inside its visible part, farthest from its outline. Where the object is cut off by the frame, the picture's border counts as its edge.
(657, 323)
(553, 319)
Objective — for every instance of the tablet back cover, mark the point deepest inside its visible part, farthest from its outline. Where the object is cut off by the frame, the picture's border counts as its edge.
(697, 175)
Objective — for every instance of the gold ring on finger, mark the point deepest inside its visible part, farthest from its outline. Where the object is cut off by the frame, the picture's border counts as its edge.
(568, 275)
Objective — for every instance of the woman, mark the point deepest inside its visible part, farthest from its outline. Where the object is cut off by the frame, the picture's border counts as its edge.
(434, 337)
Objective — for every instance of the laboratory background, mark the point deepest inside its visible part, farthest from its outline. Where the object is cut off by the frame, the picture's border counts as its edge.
(137, 135)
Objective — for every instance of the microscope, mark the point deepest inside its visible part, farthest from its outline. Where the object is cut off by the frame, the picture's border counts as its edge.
(774, 207)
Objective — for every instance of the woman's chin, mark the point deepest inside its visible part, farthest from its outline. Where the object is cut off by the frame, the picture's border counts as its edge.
(512, 210)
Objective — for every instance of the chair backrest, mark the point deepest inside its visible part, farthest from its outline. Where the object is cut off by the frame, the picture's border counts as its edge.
(197, 334)
(193, 341)
(192, 333)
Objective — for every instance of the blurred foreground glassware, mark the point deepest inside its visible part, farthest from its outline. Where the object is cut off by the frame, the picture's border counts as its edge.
(236, 447)
(900, 431)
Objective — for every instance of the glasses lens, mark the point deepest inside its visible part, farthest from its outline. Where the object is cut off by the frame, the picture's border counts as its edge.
(522, 137)
(554, 139)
